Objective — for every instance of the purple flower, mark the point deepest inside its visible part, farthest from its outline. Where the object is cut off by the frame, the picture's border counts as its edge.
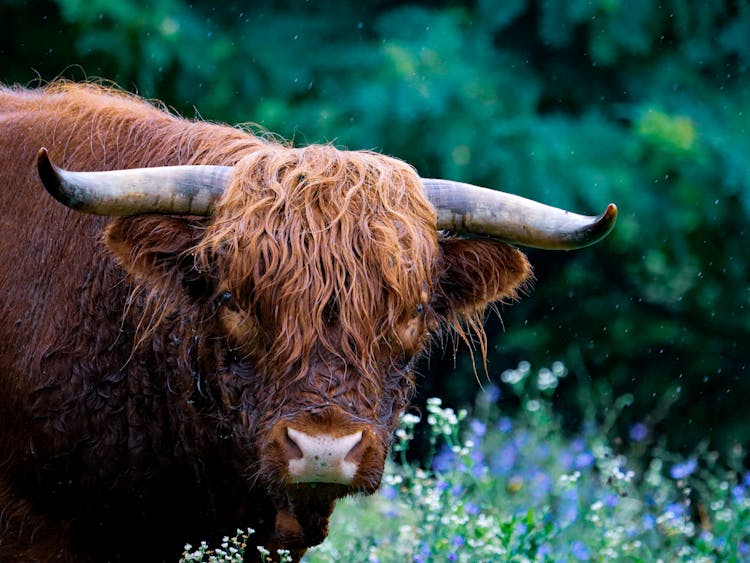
(504, 459)
(444, 460)
(649, 521)
(492, 393)
(738, 492)
(424, 554)
(521, 438)
(683, 470)
(453, 556)
(472, 509)
(638, 432)
(578, 444)
(457, 541)
(388, 492)
(676, 509)
(541, 484)
(584, 459)
(579, 551)
(505, 425)
(391, 512)
(569, 506)
(478, 428)
(457, 490)
(611, 500)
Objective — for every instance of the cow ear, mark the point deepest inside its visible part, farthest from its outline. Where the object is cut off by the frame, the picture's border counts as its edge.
(475, 273)
(155, 249)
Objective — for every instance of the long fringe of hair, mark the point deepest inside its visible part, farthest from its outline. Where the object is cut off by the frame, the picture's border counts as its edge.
(315, 237)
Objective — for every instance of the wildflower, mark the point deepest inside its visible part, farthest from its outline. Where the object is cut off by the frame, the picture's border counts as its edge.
(478, 428)
(472, 509)
(649, 521)
(675, 510)
(514, 376)
(457, 541)
(579, 551)
(566, 480)
(638, 432)
(738, 492)
(683, 470)
(569, 507)
(611, 500)
(389, 492)
(544, 552)
(578, 444)
(505, 425)
(491, 394)
(504, 459)
(410, 419)
(546, 380)
(391, 512)
(541, 484)
(584, 459)
(559, 369)
(444, 460)
(424, 554)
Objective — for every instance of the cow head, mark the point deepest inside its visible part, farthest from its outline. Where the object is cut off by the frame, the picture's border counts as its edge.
(326, 275)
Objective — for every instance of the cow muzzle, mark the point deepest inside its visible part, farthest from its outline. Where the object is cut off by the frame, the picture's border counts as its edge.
(339, 454)
(322, 458)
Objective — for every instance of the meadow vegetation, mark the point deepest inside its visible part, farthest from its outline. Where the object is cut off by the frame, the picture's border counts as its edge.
(497, 488)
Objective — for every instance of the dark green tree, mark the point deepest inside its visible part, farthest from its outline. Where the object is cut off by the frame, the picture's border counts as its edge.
(573, 103)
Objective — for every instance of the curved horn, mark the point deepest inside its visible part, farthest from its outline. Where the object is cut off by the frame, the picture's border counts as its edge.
(465, 208)
(178, 190)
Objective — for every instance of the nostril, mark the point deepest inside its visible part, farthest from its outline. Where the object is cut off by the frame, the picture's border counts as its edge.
(292, 449)
(355, 454)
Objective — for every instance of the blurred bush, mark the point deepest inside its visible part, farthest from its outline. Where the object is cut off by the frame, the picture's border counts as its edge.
(576, 103)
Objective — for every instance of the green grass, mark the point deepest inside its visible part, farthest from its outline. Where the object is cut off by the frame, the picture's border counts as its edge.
(501, 489)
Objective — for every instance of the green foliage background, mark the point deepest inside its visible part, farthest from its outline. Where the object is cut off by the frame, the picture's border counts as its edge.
(575, 103)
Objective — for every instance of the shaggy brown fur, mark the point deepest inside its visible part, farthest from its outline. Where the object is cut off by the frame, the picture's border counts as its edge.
(140, 379)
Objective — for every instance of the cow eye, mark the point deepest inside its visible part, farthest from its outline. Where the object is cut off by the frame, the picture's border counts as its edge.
(331, 312)
(420, 309)
(227, 300)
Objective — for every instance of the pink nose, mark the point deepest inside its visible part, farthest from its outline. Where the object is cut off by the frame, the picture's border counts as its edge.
(323, 458)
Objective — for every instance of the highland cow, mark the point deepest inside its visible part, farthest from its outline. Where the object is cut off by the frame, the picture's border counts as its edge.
(217, 330)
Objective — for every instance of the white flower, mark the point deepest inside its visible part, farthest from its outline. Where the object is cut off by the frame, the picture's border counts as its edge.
(411, 419)
(546, 380)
